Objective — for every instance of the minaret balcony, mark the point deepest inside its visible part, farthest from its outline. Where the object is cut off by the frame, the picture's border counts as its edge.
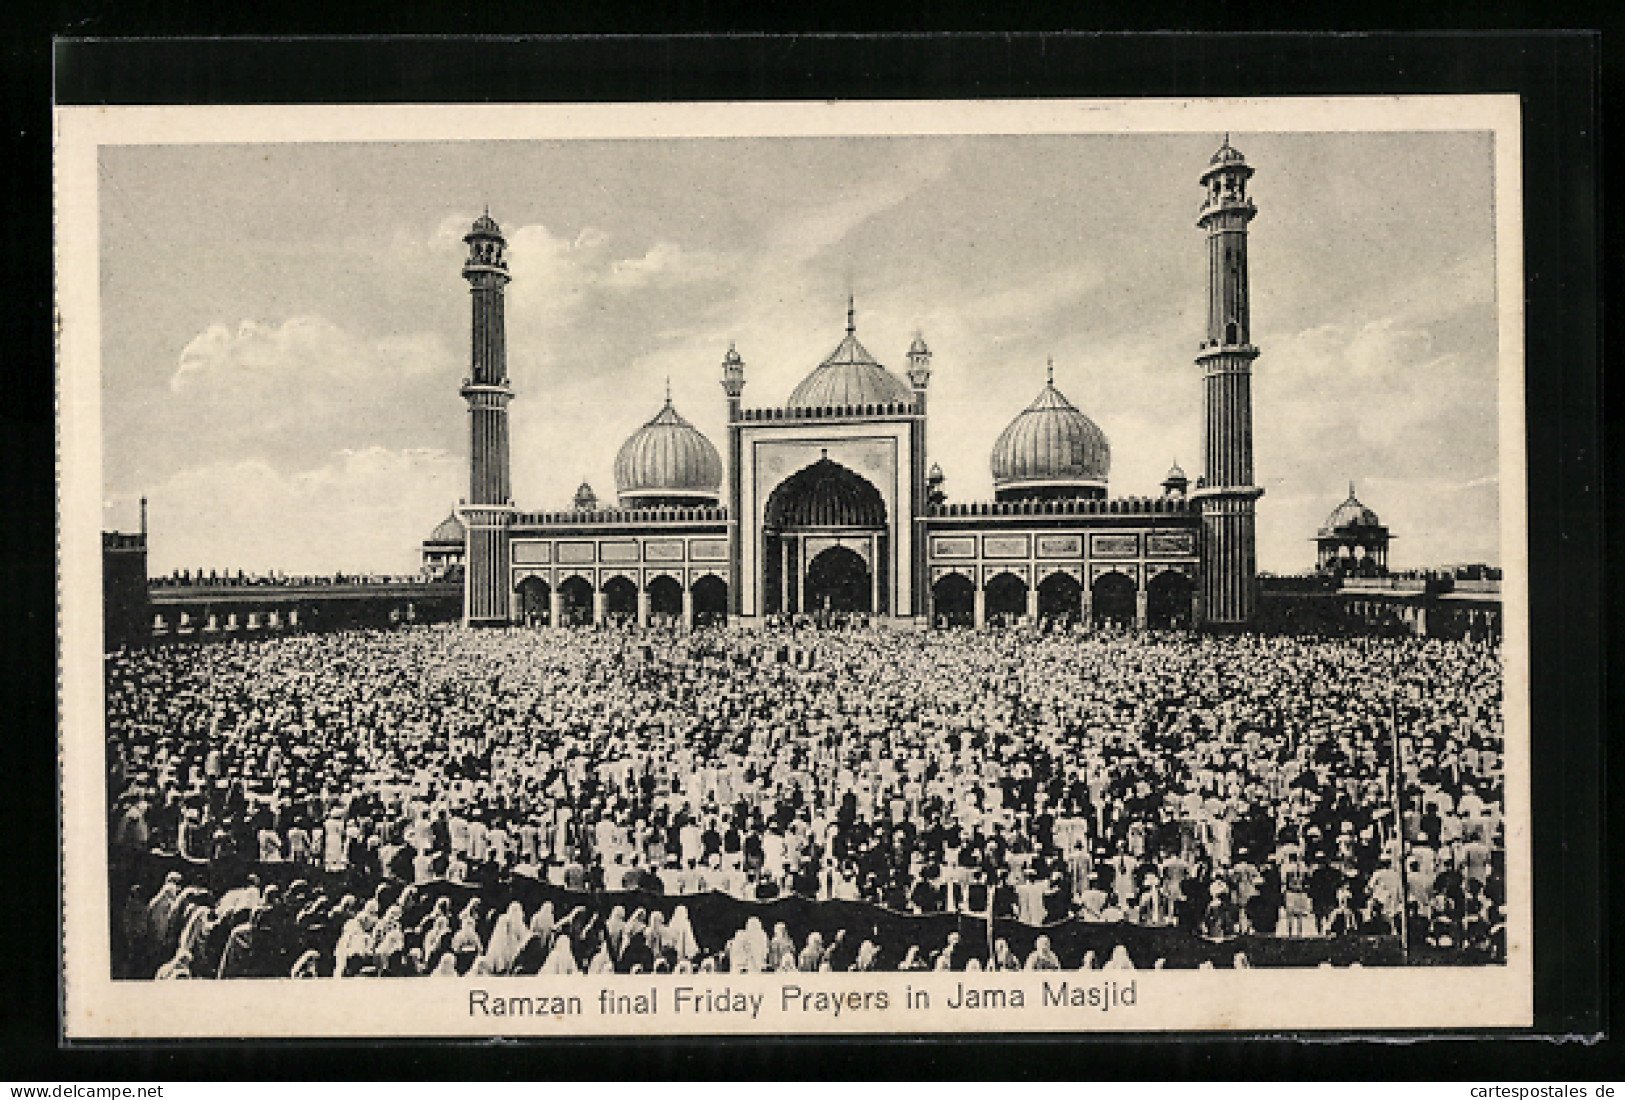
(1211, 350)
(1228, 205)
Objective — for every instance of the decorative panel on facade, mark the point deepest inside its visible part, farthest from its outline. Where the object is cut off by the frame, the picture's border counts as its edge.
(1114, 546)
(1130, 570)
(618, 551)
(1017, 570)
(708, 549)
(1060, 546)
(532, 553)
(576, 553)
(1170, 543)
(1006, 546)
(663, 550)
(953, 546)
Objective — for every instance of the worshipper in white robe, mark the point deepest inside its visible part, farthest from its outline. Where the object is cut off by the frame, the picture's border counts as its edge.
(1043, 956)
(507, 936)
(561, 960)
(750, 948)
(680, 940)
(1119, 959)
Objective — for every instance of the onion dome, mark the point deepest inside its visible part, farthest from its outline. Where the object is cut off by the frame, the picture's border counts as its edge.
(485, 226)
(586, 500)
(850, 376)
(448, 530)
(1228, 154)
(1051, 451)
(668, 463)
(1349, 515)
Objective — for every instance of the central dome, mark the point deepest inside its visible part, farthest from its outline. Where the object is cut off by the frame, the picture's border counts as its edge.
(1351, 513)
(850, 376)
(1051, 451)
(668, 463)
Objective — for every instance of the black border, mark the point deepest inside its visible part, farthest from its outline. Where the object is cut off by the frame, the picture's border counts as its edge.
(1557, 77)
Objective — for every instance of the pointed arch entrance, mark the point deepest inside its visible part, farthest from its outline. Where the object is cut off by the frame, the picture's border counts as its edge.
(575, 601)
(620, 598)
(665, 598)
(1060, 598)
(1168, 601)
(534, 599)
(710, 601)
(825, 543)
(838, 580)
(953, 600)
(1114, 600)
(1006, 599)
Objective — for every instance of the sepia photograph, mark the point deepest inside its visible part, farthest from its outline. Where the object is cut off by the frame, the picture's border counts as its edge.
(776, 568)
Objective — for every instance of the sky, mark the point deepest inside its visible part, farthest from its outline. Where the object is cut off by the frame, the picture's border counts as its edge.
(285, 326)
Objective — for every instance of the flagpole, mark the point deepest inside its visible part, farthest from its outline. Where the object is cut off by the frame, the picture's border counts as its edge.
(1398, 799)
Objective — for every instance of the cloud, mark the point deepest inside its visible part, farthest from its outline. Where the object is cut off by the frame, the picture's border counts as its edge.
(665, 263)
(300, 350)
(362, 510)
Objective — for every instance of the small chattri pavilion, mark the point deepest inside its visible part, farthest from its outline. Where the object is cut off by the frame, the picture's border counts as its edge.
(829, 502)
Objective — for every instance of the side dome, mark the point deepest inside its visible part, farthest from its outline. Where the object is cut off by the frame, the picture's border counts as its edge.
(850, 376)
(1050, 452)
(449, 529)
(667, 463)
(1350, 514)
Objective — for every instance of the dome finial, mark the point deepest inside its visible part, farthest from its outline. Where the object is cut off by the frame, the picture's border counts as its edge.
(1351, 488)
(851, 312)
(1049, 373)
(668, 391)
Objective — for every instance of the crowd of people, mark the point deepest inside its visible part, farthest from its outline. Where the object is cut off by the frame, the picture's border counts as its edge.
(1223, 786)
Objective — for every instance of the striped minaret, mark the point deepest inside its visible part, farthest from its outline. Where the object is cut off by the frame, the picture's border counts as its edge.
(489, 507)
(1227, 495)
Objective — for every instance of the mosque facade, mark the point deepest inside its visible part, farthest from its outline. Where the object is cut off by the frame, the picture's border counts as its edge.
(829, 502)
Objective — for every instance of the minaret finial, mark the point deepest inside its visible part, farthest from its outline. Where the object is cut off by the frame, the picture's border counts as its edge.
(668, 391)
(851, 313)
(1050, 371)
(1351, 488)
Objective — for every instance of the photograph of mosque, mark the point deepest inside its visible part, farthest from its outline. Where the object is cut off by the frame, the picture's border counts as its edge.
(951, 552)
(829, 503)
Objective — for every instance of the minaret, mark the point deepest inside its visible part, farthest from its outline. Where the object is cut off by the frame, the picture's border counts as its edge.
(733, 384)
(1226, 357)
(919, 378)
(489, 507)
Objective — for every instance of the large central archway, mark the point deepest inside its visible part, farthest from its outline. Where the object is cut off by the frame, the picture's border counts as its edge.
(838, 579)
(821, 503)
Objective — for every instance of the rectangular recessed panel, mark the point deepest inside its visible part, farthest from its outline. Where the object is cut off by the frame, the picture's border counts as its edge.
(1114, 546)
(575, 553)
(532, 553)
(663, 550)
(708, 549)
(1170, 543)
(1060, 546)
(1005, 546)
(953, 546)
(626, 550)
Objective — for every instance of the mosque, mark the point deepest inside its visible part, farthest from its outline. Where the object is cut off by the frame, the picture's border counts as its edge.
(829, 502)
